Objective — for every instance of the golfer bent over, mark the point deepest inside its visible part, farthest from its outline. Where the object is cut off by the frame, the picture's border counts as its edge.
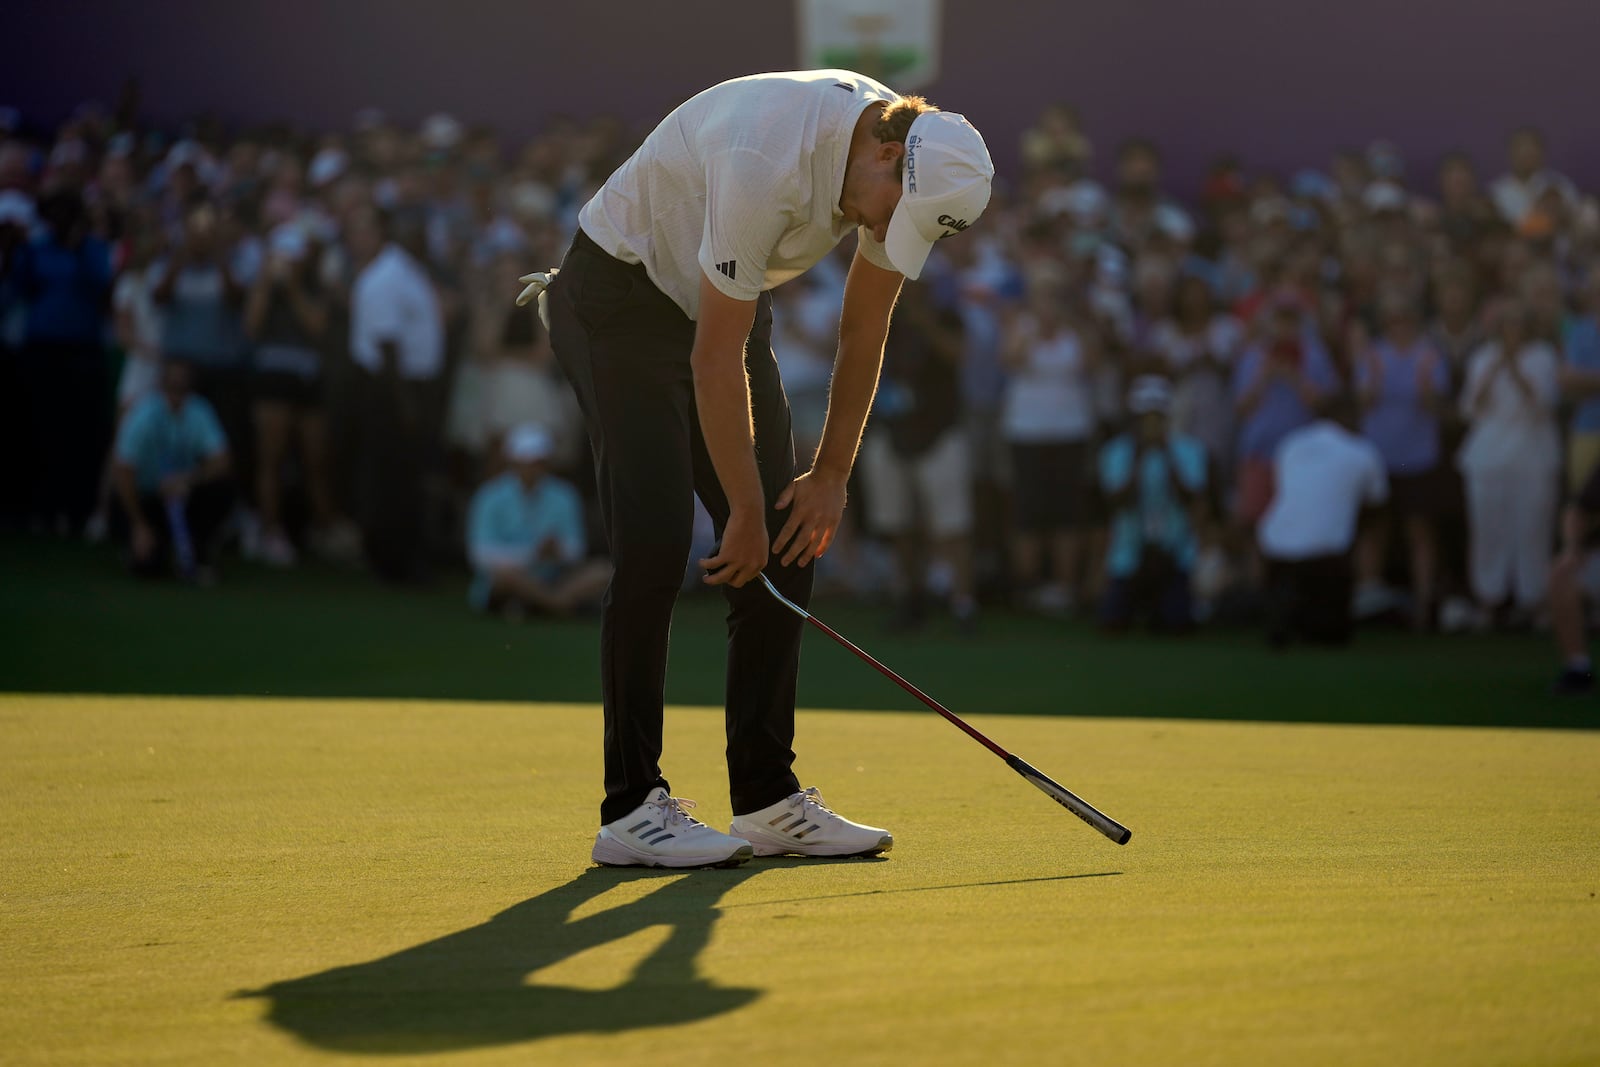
(661, 318)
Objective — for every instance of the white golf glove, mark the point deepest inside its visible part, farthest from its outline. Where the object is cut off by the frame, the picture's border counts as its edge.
(537, 283)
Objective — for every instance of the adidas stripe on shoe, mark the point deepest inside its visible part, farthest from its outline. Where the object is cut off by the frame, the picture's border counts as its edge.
(661, 833)
(802, 825)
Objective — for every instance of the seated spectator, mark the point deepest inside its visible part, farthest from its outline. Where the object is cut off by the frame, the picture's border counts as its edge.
(1154, 482)
(1403, 381)
(525, 537)
(171, 471)
(1277, 384)
(1326, 475)
(914, 461)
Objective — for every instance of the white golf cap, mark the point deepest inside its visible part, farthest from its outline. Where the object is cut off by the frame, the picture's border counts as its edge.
(529, 443)
(1149, 394)
(944, 189)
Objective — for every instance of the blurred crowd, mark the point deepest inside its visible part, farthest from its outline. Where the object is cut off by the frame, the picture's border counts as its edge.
(1364, 389)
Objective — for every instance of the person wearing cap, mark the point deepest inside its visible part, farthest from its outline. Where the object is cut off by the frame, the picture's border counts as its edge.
(171, 474)
(661, 318)
(526, 539)
(1155, 485)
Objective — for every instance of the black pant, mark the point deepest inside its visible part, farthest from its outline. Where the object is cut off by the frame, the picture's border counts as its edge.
(1309, 599)
(66, 392)
(204, 510)
(390, 502)
(625, 347)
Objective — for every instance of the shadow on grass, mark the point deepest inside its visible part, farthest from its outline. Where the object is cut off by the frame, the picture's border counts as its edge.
(467, 990)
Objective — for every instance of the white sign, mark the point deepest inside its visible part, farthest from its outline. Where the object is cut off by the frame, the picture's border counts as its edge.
(894, 41)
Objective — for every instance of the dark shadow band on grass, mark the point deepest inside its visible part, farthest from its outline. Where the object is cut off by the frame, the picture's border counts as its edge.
(925, 889)
(468, 989)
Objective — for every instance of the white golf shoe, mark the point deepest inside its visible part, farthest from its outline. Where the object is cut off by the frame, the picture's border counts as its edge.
(803, 825)
(661, 833)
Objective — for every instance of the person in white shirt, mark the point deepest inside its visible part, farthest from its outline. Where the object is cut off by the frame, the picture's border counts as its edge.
(1516, 193)
(397, 342)
(1326, 475)
(661, 317)
(1511, 462)
(1048, 422)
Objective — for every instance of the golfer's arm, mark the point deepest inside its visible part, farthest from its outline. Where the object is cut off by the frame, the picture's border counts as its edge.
(722, 394)
(869, 296)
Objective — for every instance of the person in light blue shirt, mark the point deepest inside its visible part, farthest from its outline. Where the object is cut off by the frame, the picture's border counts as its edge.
(1154, 482)
(526, 539)
(170, 469)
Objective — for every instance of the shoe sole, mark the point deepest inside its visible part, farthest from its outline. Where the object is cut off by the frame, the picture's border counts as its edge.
(614, 853)
(765, 849)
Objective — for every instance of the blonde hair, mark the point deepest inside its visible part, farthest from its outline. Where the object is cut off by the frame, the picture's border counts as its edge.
(894, 122)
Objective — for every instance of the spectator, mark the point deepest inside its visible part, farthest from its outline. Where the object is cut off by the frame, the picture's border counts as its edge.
(1277, 383)
(1511, 461)
(525, 537)
(1326, 475)
(1198, 345)
(397, 341)
(1516, 193)
(1403, 382)
(914, 461)
(285, 317)
(198, 294)
(63, 280)
(171, 469)
(1049, 421)
(1154, 481)
(1574, 578)
(1580, 381)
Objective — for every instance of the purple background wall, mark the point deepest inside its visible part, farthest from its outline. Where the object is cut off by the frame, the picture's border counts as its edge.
(1284, 83)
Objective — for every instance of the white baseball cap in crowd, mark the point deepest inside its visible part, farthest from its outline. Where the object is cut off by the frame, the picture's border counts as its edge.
(1149, 394)
(944, 189)
(529, 442)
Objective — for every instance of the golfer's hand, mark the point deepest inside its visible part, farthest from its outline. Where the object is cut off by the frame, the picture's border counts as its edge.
(536, 284)
(743, 552)
(815, 502)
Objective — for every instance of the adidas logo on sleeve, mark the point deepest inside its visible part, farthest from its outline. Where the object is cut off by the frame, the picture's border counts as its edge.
(730, 269)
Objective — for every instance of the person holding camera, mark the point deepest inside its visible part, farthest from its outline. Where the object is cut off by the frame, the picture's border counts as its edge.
(285, 316)
(1154, 484)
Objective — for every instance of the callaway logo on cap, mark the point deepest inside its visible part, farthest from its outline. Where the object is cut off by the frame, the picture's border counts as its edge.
(946, 187)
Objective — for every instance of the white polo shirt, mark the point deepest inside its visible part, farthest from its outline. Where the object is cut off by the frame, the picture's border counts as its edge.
(393, 300)
(741, 183)
(1325, 474)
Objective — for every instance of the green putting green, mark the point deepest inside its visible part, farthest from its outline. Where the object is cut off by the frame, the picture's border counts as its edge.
(209, 881)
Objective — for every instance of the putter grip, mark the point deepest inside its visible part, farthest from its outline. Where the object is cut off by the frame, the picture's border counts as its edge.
(1100, 821)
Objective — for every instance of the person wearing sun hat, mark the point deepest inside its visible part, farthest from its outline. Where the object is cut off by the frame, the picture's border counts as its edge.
(661, 317)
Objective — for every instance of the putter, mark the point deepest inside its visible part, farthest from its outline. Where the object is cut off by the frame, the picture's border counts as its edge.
(1047, 785)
